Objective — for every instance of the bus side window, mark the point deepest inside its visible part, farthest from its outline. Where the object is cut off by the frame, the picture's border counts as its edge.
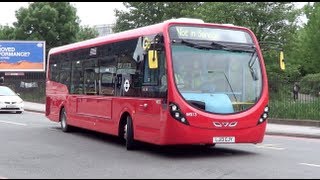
(76, 78)
(155, 80)
(107, 84)
(91, 73)
(107, 70)
(54, 68)
(54, 72)
(150, 75)
(65, 72)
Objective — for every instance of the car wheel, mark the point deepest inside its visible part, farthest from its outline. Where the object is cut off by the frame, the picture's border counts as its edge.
(63, 121)
(128, 134)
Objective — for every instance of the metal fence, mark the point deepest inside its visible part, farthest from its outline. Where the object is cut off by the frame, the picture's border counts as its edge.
(31, 87)
(283, 105)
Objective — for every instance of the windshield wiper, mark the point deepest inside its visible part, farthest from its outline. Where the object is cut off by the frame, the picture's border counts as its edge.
(196, 45)
(250, 65)
(207, 46)
(234, 95)
(218, 45)
(227, 79)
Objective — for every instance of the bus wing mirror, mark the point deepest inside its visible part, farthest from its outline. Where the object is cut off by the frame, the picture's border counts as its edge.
(153, 59)
(281, 61)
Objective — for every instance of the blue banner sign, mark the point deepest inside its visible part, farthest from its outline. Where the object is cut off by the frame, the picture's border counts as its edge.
(22, 56)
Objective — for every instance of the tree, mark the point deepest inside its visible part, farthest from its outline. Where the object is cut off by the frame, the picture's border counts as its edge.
(140, 14)
(56, 23)
(53, 22)
(6, 32)
(310, 43)
(270, 21)
(86, 32)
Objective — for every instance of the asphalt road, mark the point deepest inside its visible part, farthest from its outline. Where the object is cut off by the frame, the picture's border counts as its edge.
(31, 146)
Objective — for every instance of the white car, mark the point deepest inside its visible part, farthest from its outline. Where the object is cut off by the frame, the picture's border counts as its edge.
(10, 101)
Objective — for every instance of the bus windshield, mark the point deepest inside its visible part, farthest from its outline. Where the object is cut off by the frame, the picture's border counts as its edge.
(217, 77)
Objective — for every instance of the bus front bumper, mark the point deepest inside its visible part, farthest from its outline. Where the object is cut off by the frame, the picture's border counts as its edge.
(178, 133)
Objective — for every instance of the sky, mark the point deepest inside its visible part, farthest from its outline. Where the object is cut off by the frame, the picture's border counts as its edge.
(90, 13)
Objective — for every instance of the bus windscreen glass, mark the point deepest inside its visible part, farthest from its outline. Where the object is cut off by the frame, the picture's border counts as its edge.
(216, 70)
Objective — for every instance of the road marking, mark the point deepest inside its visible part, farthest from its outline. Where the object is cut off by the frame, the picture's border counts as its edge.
(307, 164)
(269, 146)
(15, 123)
(294, 138)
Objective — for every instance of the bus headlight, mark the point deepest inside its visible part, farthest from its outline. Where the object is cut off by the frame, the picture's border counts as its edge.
(264, 115)
(177, 114)
(261, 120)
(174, 107)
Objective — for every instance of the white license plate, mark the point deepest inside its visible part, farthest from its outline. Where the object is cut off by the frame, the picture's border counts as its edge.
(11, 106)
(224, 139)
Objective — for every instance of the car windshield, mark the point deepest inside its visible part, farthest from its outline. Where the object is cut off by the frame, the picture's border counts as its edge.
(5, 91)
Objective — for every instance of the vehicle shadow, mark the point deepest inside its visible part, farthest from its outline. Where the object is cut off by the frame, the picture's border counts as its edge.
(192, 151)
(169, 151)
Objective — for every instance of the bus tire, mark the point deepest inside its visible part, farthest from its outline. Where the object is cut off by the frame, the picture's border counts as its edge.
(63, 121)
(130, 142)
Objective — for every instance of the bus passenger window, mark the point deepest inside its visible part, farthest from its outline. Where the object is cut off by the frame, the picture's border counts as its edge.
(107, 84)
(91, 76)
(90, 82)
(150, 75)
(65, 72)
(76, 78)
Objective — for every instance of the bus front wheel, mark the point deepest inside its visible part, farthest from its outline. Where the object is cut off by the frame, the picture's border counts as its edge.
(128, 134)
(63, 121)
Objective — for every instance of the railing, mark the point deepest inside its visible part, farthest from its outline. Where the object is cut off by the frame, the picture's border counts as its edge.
(282, 104)
(30, 86)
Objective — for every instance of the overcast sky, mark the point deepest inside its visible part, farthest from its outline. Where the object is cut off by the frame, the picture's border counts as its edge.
(90, 13)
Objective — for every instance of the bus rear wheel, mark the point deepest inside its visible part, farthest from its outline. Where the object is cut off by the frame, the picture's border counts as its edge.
(128, 134)
(63, 121)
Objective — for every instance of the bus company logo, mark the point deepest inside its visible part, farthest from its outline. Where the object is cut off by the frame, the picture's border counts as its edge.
(126, 85)
(225, 124)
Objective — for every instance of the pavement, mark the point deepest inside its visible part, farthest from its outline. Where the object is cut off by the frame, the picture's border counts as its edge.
(284, 127)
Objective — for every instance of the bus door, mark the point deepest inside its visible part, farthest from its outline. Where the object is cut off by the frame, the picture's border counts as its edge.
(150, 110)
(148, 117)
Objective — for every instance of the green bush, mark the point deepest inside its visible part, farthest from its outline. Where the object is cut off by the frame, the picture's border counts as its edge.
(310, 84)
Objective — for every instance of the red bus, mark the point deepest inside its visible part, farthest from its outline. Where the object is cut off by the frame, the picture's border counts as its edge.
(178, 82)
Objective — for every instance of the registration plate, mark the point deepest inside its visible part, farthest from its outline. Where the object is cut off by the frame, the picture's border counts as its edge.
(11, 106)
(224, 139)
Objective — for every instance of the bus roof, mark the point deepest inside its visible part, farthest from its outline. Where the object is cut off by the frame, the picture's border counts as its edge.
(151, 29)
